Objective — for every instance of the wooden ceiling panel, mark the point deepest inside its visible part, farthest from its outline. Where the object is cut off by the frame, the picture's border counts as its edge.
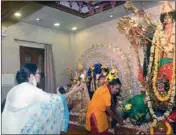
(10, 7)
(94, 7)
(26, 8)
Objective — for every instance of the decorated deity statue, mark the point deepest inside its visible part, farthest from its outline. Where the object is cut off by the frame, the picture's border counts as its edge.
(102, 79)
(158, 75)
(80, 100)
(161, 92)
(139, 31)
(162, 59)
(93, 75)
(163, 44)
(70, 75)
(145, 19)
(100, 75)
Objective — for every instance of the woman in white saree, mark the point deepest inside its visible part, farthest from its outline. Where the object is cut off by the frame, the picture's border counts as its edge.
(30, 110)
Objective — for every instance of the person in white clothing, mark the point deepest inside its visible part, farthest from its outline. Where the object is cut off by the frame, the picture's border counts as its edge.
(30, 110)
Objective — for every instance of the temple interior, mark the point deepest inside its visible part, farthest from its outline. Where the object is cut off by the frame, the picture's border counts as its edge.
(92, 43)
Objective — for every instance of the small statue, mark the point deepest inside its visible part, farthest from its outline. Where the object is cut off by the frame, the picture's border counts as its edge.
(80, 99)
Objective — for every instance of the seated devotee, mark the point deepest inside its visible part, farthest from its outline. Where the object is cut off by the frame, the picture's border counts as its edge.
(96, 119)
(30, 110)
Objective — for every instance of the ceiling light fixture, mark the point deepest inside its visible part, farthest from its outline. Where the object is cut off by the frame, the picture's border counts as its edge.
(74, 28)
(17, 14)
(111, 15)
(56, 24)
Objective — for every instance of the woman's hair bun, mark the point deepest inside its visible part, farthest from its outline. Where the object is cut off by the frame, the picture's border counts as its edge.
(24, 73)
(21, 76)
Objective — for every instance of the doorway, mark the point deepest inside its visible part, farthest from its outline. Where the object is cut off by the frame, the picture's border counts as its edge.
(34, 55)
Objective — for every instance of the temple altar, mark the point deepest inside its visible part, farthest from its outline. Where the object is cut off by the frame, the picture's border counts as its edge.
(146, 101)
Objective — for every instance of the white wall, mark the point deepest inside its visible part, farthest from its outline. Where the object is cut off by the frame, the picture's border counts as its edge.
(10, 49)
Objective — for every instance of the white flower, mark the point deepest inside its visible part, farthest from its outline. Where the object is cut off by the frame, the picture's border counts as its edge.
(151, 111)
(82, 76)
(160, 118)
(147, 98)
(154, 116)
(153, 123)
(149, 104)
(167, 113)
(120, 102)
(172, 100)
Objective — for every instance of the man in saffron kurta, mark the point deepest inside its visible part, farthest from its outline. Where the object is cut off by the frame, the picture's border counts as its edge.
(96, 119)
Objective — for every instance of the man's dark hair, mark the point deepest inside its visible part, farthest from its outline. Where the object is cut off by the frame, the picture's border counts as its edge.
(115, 82)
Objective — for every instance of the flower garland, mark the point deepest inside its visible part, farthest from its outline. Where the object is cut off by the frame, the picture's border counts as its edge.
(159, 35)
(171, 92)
(160, 41)
(166, 114)
(156, 92)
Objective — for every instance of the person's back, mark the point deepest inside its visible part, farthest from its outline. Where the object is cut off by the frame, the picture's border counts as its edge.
(97, 108)
(99, 98)
(27, 109)
(25, 91)
(30, 110)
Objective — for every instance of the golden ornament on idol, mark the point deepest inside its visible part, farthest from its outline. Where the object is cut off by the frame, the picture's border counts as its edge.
(168, 126)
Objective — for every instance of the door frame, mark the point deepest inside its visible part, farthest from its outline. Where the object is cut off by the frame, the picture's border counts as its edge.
(31, 45)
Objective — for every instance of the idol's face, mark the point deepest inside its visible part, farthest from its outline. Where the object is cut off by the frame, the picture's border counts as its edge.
(160, 87)
(168, 19)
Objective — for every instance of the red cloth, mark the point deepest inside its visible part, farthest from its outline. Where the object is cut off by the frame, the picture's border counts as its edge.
(166, 70)
(140, 76)
(172, 115)
(94, 128)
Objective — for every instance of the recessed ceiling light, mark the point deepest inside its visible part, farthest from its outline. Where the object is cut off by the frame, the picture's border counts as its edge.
(111, 15)
(38, 19)
(74, 28)
(56, 24)
(17, 14)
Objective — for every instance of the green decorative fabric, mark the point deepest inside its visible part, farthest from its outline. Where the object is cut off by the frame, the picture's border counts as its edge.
(164, 61)
(136, 109)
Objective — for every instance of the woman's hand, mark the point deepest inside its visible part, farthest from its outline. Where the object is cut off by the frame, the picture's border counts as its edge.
(74, 89)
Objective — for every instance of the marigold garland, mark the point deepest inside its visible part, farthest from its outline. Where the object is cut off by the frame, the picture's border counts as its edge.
(160, 41)
(157, 40)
